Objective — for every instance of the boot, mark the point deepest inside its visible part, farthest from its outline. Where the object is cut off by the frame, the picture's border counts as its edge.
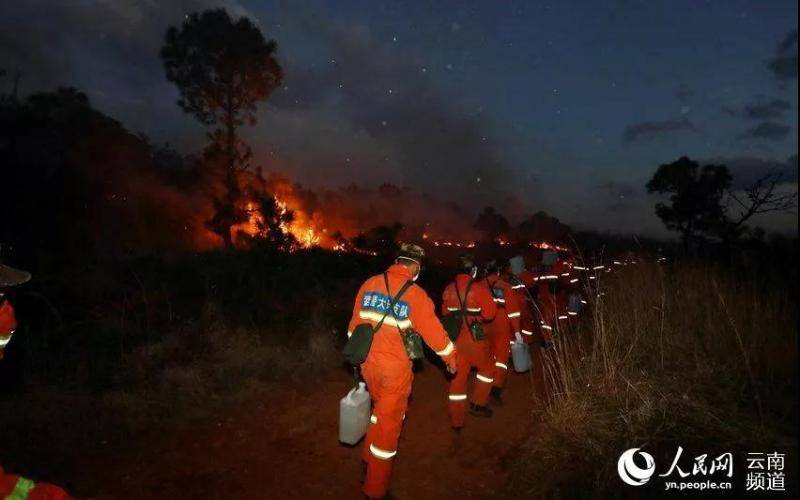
(387, 496)
(480, 411)
(497, 396)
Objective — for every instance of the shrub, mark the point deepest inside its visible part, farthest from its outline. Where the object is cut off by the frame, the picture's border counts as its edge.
(684, 355)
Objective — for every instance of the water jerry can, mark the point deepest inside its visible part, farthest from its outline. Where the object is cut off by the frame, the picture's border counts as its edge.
(517, 265)
(354, 414)
(521, 355)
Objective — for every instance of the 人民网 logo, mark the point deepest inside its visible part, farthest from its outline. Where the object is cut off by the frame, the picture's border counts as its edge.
(631, 473)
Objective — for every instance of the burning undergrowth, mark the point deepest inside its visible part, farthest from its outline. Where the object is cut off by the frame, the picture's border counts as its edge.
(85, 187)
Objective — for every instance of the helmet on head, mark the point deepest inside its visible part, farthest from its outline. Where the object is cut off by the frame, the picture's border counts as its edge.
(12, 277)
(466, 262)
(517, 264)
(409, 251)
(549, 257)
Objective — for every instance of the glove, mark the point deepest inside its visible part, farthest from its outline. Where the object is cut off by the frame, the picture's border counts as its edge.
(518, 337)
(452, 362)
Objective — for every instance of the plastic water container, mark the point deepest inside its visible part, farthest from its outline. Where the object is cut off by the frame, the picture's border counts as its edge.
(354, 414)
(521, 355)
(517, 264)
(574, 303)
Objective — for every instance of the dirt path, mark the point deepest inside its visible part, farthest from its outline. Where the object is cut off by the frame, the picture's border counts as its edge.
(288, 448)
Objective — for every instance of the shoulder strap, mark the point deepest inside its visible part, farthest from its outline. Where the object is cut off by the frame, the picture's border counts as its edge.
(463, 302)
(394, 300)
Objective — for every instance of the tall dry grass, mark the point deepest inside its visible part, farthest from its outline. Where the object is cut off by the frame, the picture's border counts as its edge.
(666, 355)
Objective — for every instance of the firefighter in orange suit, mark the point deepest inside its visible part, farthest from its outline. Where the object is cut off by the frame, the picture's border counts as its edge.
(8, 322)
(19, 488)
(480, 308)
(522, 283)
(12, 486)
(504, 328)
(387, 369)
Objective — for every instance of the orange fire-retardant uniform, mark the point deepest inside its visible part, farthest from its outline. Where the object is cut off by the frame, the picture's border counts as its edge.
(11, 485)
(20, 488)
(471, 354)
(387, 369)
(8, 323)
(553, 305)
(504, 327)
(529, 323)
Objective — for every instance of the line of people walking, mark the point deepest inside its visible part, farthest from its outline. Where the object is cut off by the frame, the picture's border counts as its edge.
(485, 311)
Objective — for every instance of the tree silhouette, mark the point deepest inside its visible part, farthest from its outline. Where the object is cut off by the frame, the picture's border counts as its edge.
(760, 197)
(492, 223)
(695, 197)
(379, 239)
(223, 68)
(273, 226)
(542, 227)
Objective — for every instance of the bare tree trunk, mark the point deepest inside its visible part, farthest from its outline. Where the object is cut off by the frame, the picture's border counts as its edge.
(231, 184)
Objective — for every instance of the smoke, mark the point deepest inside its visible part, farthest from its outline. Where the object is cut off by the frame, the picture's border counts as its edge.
(382, 101)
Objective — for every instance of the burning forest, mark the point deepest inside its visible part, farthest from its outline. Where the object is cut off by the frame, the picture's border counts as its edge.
(228, 228)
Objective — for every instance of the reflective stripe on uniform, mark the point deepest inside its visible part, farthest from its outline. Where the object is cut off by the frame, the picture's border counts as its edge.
(349, 334)
(517, 287)
(373, 419)
(514, 315)
(564, 274)
(474, 309)
(453, 309)
(447, 350)
(382, 454)
(563, 317)
(598, 267)
(484, 379)
(390, 320)
(580, 268)
(571, 313)
(547, 327)
(5, 340)
(573, 280)
(583, 301)
(500, 301)
(457, 397)
(21, 489)
(501, 365)
(527, 332)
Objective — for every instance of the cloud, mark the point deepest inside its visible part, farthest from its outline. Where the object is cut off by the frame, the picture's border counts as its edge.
(385, 95)
(618, 196)
(766, 110)
(746, 170)
(767, 130)
(684, 93)
(650, 130)
(51, 42)
(374, 102)
(783, 64)
(729, 111)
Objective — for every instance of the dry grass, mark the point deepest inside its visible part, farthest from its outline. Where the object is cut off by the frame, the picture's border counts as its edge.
(681, 355)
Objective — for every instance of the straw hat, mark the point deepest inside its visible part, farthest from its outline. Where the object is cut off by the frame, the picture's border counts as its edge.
(11, 277)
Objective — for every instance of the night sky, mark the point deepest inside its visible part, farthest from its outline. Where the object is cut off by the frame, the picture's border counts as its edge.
(561, 106)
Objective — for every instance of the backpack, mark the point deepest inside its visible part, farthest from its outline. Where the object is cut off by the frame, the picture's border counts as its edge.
(453, 320)
(358, 345)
